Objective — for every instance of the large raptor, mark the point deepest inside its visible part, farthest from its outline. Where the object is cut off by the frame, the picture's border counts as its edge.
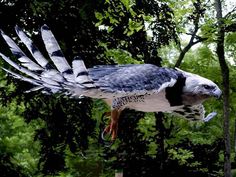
(142, 87)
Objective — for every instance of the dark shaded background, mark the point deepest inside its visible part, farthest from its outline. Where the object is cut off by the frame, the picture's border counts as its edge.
(68, 121)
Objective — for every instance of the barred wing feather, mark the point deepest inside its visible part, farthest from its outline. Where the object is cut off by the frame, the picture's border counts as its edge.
(61, 78)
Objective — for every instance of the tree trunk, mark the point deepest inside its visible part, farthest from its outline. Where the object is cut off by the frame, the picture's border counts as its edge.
(225, 77)
(235, 139)
(160, 140)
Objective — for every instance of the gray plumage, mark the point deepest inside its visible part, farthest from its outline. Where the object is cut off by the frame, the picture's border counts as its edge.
(132, 78)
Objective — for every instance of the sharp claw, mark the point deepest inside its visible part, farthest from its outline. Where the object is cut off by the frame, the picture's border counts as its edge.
(104, 133)
(109, 134)
(106, 142)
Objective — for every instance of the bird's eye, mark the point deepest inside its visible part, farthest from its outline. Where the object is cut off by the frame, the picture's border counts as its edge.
(206, 87)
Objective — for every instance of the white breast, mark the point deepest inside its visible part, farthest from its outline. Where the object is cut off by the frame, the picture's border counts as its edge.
(153, 103)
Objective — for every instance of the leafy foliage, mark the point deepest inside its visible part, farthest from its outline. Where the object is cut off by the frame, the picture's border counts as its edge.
(19, 153)
(61, 136)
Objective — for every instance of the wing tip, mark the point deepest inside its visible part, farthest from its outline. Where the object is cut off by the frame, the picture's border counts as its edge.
(78, 58)
(2, 55)
(17, 29)
(2, 32)
(45, 27)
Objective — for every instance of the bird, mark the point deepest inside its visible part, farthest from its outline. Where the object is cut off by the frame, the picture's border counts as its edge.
(142, 87)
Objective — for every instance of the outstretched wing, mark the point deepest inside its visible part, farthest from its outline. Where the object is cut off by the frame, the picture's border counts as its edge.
(194, 113)
(59, 77)
(133, 79)
(108, 81)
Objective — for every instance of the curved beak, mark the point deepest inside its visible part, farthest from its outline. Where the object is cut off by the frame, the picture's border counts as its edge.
(217, 93)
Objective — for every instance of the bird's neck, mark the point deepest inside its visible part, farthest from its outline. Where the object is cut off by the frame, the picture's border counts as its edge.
(193, 99)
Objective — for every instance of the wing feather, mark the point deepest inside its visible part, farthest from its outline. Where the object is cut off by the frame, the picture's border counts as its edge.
(28, 63)
(133, 79)
(18, 76)
(32, 48)
(20, 68)
(81, 73)
(49, 79)
(48, 70)
(56, 54)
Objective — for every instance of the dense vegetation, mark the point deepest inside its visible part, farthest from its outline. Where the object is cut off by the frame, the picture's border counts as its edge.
(52, 135)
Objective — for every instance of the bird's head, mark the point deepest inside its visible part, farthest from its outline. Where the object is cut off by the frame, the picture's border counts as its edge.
(197, 88)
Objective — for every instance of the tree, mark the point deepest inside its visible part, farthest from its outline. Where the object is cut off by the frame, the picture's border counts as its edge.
(225, 77)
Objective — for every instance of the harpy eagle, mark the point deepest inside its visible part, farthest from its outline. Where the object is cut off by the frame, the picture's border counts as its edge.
(142, 87)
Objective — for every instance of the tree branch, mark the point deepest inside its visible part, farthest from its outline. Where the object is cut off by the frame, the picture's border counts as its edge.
(230, 12)
(189, 46)
(199, 11)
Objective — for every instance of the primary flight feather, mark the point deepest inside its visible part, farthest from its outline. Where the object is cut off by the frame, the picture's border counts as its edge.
(143, 87)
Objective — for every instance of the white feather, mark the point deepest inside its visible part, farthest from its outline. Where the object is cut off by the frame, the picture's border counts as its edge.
(52, 46)
(84, 79)
(29, 44)
(18, 76)
(22, 69)
(56, 54)
(19, 53)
